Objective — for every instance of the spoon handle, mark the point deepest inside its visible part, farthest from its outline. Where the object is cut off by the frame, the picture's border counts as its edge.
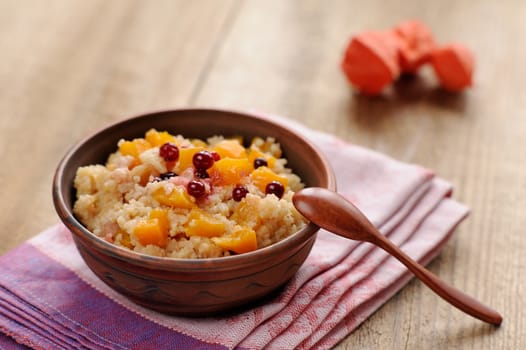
(452, 295)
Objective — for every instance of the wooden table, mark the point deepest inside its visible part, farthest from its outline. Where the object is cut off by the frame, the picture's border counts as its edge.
(70, 67)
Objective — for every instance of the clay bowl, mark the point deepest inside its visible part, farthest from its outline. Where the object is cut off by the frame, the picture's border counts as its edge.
(191, 286)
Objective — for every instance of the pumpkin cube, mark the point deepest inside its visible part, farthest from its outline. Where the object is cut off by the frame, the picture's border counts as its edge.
(178, 198)
(229, 171)
(262, 176)
(241, 241)
(204, 225)
(162, 216)
(134, 148)
(159, 138)
(153, 230)
(230, 149)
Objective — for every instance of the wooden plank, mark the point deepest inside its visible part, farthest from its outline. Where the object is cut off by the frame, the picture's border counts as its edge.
(70, 67)
(283, 57)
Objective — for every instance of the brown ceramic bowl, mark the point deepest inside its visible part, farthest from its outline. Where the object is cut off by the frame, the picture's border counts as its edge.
(191, 286)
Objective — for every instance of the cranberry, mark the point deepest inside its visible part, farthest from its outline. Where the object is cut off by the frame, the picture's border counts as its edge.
(239, 192)
(201, 174)
(196, 188)
(216, 156)
(259, 162)
(169, 152)
(203, 160)
(167, 175)
(275, 188)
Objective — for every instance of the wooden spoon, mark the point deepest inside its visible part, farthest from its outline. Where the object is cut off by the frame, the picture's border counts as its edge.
(331, 211)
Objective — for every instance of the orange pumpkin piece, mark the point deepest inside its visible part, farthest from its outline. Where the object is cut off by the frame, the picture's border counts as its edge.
(254, 154)
(229, 171)
(162, 216)
(241, 241)
(134, 148)
(230, 149)
(153, 230)
(185, 157)
(204, 225)
(178, 198)
(159, 138)
(127, 148)
(262, 176)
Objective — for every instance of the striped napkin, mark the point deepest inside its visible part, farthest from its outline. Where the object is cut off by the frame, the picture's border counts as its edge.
(49, 299)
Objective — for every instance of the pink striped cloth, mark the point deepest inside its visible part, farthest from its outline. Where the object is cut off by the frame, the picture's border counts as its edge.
(49, 299)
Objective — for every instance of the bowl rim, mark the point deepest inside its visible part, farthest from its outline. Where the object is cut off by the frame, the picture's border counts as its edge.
(295, 240)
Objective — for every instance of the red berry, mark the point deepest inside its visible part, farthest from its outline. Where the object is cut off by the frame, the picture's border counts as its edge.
(239, 192)
(260, 162)
(203, 160)
(196, 188)
(169, 152)
(216, 156)
(275, 188)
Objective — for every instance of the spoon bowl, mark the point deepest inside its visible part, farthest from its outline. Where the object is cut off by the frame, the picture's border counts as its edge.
(331, 211)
